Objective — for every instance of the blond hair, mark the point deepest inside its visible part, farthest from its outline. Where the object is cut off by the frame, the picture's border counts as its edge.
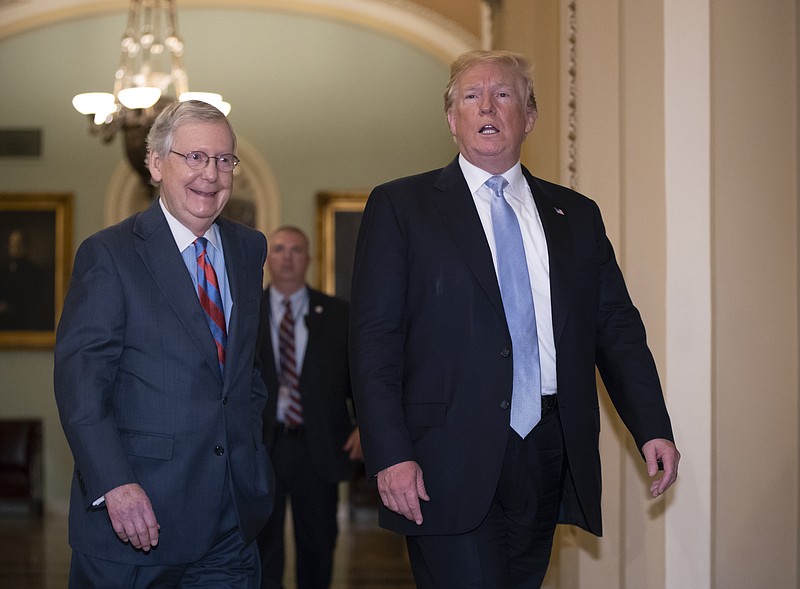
(514, 61)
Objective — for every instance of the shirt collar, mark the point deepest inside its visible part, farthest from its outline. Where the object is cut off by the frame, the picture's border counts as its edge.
(183, 236)
(477, 177)
(298, 299)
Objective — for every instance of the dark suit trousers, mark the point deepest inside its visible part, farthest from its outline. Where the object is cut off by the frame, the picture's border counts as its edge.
(511, 548)
(314, 502)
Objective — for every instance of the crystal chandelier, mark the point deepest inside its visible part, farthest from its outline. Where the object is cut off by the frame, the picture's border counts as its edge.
(151, 62)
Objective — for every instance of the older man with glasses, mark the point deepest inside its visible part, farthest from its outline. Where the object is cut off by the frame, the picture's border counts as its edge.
(156, 378)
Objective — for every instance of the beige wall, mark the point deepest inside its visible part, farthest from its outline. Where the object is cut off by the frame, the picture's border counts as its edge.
(465, 13)
(532, 27)
(754, 237)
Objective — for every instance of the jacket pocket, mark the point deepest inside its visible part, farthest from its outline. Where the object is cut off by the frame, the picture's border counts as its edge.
(147, 445)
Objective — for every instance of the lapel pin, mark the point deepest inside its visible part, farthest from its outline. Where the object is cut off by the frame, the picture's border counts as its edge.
(559, 211)
(318, 309)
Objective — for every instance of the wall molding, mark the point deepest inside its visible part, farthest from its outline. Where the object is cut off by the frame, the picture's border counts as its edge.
(415, 24)
(572, 95)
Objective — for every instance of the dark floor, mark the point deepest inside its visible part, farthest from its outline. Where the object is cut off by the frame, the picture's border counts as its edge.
(34, 553)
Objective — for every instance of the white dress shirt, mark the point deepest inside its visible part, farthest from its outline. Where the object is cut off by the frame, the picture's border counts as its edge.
(519, 196)
(299, 303)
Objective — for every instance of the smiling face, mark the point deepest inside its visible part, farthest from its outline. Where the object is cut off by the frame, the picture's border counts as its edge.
(489, 116)
(194, 197)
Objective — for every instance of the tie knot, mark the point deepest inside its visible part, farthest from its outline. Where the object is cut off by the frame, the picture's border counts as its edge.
(287, 303)
(200, 246)
(497, 184)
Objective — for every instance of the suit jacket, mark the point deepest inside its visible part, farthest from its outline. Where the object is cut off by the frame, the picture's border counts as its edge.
(431, 351)
(324, 384)
(140, 393)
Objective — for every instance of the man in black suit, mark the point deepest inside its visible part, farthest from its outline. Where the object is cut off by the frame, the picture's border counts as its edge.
(308, 425)
(157, 382)
(483, 298)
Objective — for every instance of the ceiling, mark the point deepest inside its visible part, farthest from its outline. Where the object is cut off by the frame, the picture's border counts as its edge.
(441, 27)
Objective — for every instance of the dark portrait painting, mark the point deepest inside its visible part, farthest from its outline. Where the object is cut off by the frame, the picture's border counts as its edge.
(33, 261)
(338, 219)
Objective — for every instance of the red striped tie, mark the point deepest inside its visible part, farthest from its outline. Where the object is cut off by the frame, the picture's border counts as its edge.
(294, 409)
(211, 299)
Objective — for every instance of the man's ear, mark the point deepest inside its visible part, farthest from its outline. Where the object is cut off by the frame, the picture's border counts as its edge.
(154, 163)
(530, 117)
(451, 122)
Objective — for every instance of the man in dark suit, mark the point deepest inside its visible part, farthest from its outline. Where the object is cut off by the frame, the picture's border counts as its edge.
(482, 300)
(308, 424)
(157, 381)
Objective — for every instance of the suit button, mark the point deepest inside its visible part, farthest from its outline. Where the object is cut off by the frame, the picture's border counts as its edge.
(225, 400)
(219, 450)
(504, 404)
(505, 352)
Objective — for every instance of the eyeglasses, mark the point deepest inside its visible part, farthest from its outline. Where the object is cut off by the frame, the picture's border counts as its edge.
(198, 160)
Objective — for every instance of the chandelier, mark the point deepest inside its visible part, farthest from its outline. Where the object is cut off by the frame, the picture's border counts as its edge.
(150, 76)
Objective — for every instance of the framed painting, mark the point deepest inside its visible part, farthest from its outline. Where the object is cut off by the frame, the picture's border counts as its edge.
(338, 219)
(35, 263)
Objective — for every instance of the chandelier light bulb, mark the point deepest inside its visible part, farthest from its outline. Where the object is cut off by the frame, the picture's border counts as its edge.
(104, 116)
(90, 103)
(210, 97)
(139, 97)
(150, 69)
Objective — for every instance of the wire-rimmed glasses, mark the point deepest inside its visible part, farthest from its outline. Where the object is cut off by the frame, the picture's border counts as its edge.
(197, 160)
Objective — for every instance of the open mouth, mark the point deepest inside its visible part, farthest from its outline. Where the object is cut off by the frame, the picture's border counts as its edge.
(489, 130)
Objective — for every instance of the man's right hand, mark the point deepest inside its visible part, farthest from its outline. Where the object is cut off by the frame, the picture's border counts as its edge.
(401, 487)
(132, 516)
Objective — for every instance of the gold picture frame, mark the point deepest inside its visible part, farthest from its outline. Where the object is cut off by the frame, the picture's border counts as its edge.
(338, 219)
(35, 266)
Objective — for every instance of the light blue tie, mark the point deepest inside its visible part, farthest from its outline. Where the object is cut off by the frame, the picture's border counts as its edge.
(515, 288)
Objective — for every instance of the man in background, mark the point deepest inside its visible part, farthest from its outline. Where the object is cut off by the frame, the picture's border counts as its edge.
(308, 422)
(157, 382)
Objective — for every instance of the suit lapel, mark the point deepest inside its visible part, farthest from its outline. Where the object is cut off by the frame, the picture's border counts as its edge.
(557, 232)
(160, 255)
(235, 259)
(457, 208)
(315, 323)
(269, 368)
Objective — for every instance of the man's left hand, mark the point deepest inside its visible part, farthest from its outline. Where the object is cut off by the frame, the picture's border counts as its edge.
(664, 452)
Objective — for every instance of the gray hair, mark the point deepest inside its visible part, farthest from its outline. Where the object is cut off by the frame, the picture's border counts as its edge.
(161, 137)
